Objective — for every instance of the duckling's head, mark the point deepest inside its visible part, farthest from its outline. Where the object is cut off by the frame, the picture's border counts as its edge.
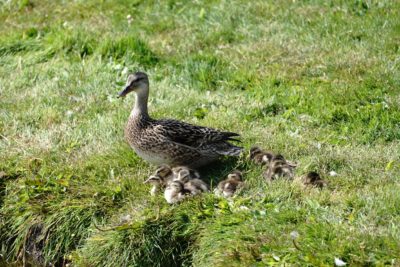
(154, 180)
(176, 186)
(184, 174)
(312, 177)
(267, 157)
(254, 151)
(278, 157)
(164, 171)
(235, 175)
(176, 170)
(138, 82)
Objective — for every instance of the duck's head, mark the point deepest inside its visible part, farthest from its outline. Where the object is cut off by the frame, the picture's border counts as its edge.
(138, 82)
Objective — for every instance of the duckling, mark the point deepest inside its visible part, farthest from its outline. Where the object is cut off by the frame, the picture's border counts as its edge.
(160, 179)
(184, 174)
(166, 173)
(236, 175)
(191, 180)
(279, 167)
(196, 186)
(314, 179)
(156, 182)
(228, 187)
(260, 156)
(174, 192)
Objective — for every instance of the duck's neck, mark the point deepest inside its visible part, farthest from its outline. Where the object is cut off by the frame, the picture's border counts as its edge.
(140, 108)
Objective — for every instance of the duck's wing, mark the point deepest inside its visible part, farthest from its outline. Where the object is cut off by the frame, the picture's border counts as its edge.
(179, 152)
(192, 135)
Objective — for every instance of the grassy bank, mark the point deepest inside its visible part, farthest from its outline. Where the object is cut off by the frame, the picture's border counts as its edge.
(317, 81)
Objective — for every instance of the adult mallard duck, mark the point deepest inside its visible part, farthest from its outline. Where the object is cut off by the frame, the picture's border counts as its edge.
(169, 141)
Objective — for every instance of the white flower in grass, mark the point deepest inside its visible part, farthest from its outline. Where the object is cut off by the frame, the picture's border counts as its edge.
(339, 262)
(243, 207)
(69, 113)
(117, 67)
(294, 235)
(125, 219)
(125, 71)
(129, 19)
(294, 133)
(276, 257)
(333, 173)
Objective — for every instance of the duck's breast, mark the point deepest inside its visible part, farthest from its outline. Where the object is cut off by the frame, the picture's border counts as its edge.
(152, 157)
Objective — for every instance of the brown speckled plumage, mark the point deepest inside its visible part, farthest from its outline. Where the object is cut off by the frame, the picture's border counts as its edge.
(313, 179)
(279, 167)
(169, 141)
(229, 186)
(259, 156)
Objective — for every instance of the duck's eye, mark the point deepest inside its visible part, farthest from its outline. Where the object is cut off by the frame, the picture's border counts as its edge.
(137, 79)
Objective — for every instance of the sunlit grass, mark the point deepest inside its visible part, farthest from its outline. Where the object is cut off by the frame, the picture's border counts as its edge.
(316, 81)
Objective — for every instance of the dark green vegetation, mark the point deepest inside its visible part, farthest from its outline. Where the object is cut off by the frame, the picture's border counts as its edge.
(317, 81)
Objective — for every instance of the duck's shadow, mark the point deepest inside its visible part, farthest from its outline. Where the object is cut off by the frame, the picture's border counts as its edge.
(218, 171)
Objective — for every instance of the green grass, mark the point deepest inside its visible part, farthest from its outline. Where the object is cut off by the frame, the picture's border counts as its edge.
(317, 81)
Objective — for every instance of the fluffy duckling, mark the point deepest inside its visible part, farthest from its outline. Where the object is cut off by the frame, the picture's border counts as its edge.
(160, 179)
(260, 156)
(174, 192)
(229, 186)
(279, 167)
(191, 180)
(166, 174)
(184, 174)
(156, 182)
(313, 179)
(196, 186)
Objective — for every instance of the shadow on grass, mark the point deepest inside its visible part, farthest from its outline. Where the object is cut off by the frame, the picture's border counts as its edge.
(219, 170)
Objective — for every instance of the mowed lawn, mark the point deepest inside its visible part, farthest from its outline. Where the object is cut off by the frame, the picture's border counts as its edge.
(317, 81)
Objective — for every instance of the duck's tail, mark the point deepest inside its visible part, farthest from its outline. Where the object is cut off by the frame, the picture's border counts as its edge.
(230, 136)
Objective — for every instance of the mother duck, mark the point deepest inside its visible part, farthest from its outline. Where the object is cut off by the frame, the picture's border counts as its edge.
(169, 141)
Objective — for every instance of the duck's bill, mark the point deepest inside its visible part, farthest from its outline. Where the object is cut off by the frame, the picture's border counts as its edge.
(123, 93)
